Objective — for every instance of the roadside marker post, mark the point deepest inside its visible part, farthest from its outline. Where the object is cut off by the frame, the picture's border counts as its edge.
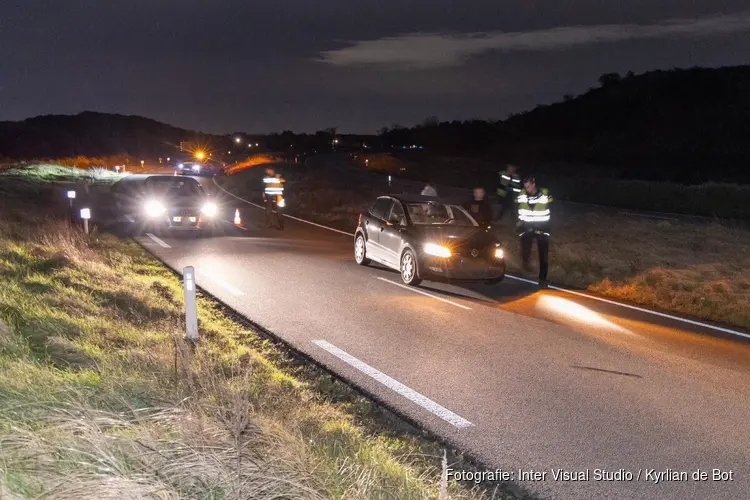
(389, 181)
(237, 219)
(85, 215)
(191, 308)
(71, 197)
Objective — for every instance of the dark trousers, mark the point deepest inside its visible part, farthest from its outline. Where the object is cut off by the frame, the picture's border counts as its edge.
(542, 245)
(269, 210)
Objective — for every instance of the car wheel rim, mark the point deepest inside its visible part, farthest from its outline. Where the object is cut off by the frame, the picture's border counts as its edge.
(359, 249)
(407, 267)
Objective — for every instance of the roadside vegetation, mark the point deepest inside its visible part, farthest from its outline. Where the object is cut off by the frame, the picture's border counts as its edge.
(101, 397)
(701, 270)
(723, 200)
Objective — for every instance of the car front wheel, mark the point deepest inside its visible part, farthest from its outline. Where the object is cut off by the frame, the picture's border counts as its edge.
(360, 255)
(409, 269)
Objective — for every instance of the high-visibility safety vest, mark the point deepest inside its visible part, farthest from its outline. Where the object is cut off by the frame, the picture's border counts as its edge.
(509, 182)
(273, 185)
(534, 209)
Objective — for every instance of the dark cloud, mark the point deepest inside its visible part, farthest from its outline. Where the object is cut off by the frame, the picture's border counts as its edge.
(236, 65)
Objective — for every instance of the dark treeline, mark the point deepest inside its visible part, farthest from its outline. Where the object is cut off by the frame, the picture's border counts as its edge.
(682, 125)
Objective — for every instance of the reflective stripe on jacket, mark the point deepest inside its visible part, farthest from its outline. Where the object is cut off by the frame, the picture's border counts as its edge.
(534, 209)
(508, 181)
(273, 185)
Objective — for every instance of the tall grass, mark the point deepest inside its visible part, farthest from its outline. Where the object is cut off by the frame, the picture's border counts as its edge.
(101, 397)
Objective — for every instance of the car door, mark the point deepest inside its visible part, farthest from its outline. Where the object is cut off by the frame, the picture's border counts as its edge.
(374, 225)
(391, 239)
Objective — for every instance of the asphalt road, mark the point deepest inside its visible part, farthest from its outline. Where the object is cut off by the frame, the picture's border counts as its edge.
(522, 379)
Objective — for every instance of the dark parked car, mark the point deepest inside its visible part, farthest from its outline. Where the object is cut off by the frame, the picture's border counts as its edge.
(423, 238)
(165, 202)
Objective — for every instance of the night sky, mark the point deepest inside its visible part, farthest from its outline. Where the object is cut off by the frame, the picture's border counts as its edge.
(264, 66)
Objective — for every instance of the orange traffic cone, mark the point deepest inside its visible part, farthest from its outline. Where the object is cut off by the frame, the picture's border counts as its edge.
(237, 220)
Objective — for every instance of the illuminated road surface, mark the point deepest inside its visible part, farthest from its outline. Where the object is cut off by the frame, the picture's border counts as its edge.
(537, 381)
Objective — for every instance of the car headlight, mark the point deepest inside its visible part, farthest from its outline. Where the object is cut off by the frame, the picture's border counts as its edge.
(209, 209)
(499, 254)
(154, 208)
(180, 166)
(281, 203)
(437, 250)
(196, 168)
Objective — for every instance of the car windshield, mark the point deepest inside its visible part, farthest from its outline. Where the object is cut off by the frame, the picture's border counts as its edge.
(174, 186)
(429, 213)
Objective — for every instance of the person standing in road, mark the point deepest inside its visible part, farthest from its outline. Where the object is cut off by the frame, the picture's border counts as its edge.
(534, 223)
(479, 207)
(510, 188)
(429, 189)
(273, 189)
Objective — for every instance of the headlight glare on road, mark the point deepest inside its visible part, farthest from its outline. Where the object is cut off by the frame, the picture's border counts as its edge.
(154, 208)
(437, 250)
(499, 254)
(209, 209)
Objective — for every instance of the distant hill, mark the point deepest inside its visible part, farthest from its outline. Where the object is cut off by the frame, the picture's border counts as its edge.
(689, 125)
(93, 134)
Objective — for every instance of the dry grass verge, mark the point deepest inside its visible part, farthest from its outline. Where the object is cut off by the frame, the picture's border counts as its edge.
(702, 270)
(100, 397)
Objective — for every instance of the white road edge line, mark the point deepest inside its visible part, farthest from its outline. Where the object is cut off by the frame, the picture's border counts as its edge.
(158, 241)
(417, 290)
(573, 292)
(641, 309)
(395, 386)
(285, 215)
(129, 219)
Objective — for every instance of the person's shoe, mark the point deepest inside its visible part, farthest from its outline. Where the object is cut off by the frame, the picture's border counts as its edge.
(543, 284)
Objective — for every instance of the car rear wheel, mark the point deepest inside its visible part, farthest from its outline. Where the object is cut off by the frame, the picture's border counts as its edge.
(360, 255)
(409, 269)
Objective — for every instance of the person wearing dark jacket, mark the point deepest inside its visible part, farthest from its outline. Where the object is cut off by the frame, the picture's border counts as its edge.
(479, 207)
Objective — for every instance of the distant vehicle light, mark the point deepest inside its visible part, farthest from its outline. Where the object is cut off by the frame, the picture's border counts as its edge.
(210, 209)
(196, 168)
(437, 250)
(154, 208)
(499, 254)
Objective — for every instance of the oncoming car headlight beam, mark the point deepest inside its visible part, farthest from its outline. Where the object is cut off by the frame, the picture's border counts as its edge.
(209, 209)
(437, 250)
(154, 208)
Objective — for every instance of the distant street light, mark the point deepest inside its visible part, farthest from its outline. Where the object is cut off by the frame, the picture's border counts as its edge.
(256, 144)
(237, 140)
(200, 155)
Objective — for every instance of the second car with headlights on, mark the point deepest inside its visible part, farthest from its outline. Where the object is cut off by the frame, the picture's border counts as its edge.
(423, 238)
(166, 202)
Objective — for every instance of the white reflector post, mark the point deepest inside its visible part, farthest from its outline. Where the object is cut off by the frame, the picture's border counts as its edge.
(86, 215)
(389, 181)
(191, 308)
(71, 194)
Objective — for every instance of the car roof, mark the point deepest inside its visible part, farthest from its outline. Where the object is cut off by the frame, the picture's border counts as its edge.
(418, 198)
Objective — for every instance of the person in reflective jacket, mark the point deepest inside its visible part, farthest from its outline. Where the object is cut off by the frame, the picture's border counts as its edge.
(273, 190)
(534, 223)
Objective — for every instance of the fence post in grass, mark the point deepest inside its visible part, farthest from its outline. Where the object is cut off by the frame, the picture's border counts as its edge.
(191, 308)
